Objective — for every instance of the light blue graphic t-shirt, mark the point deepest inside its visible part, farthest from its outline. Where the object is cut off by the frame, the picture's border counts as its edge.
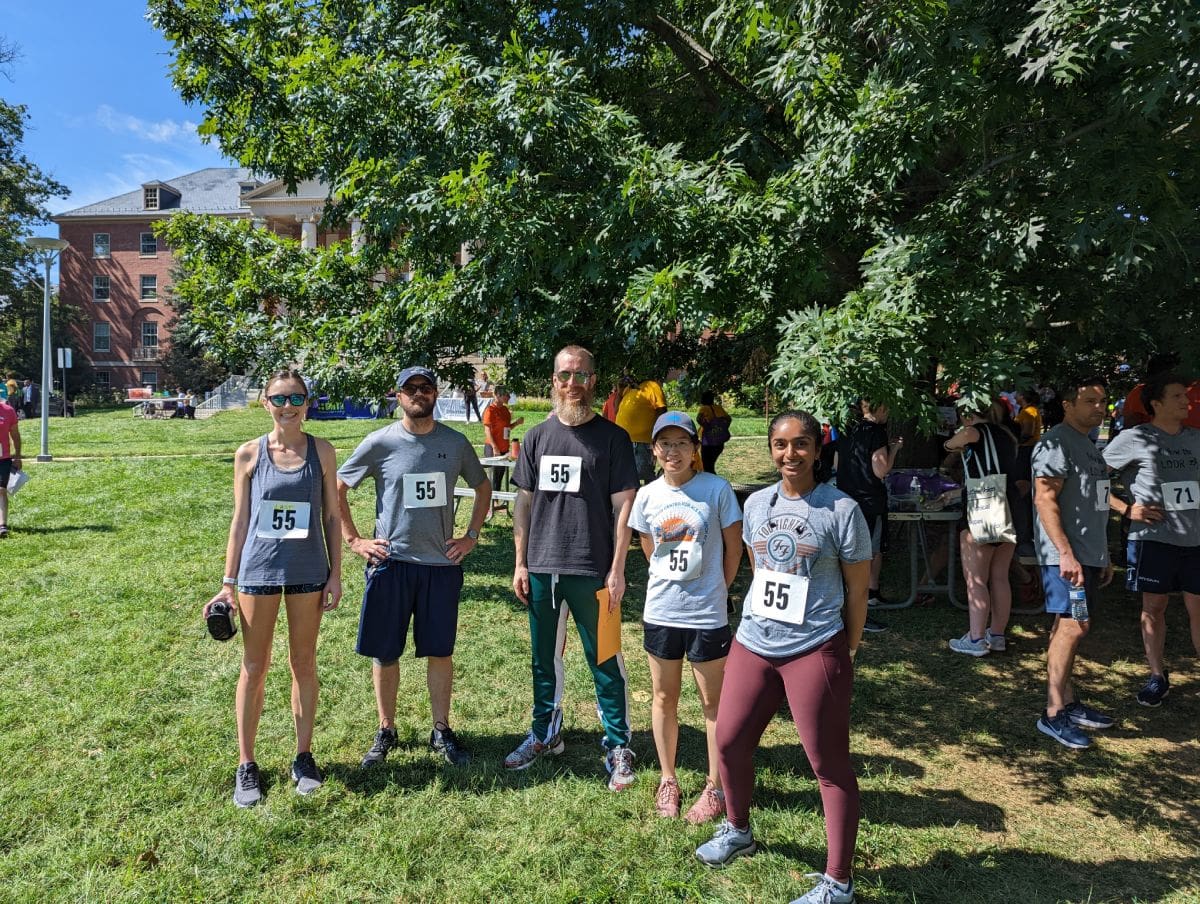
(686, 584)
(811, 537)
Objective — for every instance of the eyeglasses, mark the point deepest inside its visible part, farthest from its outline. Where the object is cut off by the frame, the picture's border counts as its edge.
(414, 388)
(579, 376)
(296, 398)
(680, 446)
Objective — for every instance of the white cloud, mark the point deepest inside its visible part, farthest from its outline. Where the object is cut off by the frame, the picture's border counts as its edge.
(164, 131)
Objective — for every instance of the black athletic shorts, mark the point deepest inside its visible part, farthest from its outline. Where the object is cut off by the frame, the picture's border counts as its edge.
(401, 592)
(5, 471)
(700, 644)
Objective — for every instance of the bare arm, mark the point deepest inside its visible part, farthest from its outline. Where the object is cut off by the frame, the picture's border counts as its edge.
(883, 459)
(1045, 500)
(243, 469)
(857, 576)
(622, 504)
(331, 517)
(373, 551)
(15, 439)
(521, 513)
(961, 439)
(647, 546)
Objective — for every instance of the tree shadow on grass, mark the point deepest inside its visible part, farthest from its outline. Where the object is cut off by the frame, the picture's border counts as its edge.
(998, 877)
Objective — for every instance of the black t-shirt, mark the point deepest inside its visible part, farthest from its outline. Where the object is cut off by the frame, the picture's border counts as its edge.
(572, 473)
(855, 477)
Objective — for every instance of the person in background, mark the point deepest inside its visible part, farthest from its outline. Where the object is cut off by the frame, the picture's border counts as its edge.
(30, 396)
(14, 391)
(690, 529)
(471, 400)
(497, 436)
(10, 457)
(985, 565)
(714, 430)
(642, 403)
(865, 457)
(810, 549)
(1159, 464)
(283, 545)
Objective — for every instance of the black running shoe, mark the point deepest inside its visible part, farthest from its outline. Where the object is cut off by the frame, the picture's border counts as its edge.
(247, 785)
(873, 626)
(305, 773)
(385, 740)
(443, 740)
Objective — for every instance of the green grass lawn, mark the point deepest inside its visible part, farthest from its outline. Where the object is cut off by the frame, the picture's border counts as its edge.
(117, 734)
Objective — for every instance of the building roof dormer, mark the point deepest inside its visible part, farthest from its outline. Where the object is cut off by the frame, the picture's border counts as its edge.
(159, 195)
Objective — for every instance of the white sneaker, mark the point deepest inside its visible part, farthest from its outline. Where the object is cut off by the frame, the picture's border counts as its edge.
(531, 749)
(619, 763)
(826, 891)
(970, 647)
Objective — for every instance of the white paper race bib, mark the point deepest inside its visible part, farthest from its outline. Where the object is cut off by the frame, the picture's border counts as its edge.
(778, 596)
(679, 560)
(508, 432)
(1181, 495)
(560, 473)
(1102, 490)
(283, 520)
(425, 490)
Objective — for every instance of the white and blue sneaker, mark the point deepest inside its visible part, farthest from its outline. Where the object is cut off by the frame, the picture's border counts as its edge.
(1062, 730)
(969, 646)
(827, 891)
(727, 843)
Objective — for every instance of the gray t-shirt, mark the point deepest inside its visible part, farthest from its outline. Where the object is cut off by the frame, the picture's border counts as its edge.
(686, 584)
(1083, 501)
(414, 487)
(1164, 470)
(572, 473)
(810, 537)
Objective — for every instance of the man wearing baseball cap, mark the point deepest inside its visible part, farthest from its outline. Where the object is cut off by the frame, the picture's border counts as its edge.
(414, 561)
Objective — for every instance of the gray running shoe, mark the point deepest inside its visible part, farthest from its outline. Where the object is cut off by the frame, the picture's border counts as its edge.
(727, 842)
(997, 643)
(305, 773)
(619, 763)
(247, 785)
(970, 647)
(531, 749)
(443, 740)
(826, 891)
(385, 740)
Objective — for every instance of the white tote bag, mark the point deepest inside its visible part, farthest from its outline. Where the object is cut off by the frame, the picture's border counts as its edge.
(988, 517)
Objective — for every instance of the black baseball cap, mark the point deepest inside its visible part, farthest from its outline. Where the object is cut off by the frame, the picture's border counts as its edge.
(409, 372)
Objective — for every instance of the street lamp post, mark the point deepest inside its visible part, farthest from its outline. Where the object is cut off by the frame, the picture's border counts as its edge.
(46, 250)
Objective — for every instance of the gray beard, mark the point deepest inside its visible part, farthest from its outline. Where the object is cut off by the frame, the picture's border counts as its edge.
(573, 413)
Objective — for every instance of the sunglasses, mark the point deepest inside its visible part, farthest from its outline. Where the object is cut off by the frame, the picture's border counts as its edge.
(296, 398)
(414, 388)
(579, 376)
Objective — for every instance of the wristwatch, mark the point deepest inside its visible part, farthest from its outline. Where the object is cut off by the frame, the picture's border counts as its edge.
(473, 534)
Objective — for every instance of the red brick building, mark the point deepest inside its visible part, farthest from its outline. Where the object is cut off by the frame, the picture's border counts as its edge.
(118, 273)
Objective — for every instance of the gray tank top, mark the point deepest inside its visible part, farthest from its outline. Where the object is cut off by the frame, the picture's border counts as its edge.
(285, 542)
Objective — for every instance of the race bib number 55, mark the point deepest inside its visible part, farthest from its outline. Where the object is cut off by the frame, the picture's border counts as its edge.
(283, 520)
(678, 560)
(425, 490)
(778, 596)
(560, 473)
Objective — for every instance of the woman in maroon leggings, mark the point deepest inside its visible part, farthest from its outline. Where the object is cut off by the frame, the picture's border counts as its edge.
(800, 628)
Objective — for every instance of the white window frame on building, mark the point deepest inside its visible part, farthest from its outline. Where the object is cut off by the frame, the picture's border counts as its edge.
(101, 288)
(149, 286)
(101, 244)
(149, 332)
(101, 336)
(102, 378)
(150, 378)
(150, 198)
(148, 243)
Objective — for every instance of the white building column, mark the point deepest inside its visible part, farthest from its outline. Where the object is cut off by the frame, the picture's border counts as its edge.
(308, 233)
(358, 238)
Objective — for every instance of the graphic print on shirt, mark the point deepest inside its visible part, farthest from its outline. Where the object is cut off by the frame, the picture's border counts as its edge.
(784, 543)
(679, 530)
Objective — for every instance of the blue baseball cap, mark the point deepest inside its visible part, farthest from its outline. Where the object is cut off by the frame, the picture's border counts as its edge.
(673, 419)
(409, 372)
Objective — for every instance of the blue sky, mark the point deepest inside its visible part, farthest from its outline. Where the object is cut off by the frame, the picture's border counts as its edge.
(104, 116)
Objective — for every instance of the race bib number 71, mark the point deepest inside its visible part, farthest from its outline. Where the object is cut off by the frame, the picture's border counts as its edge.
(1181, 495)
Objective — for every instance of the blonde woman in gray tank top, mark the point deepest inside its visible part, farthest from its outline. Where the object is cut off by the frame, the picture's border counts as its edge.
(283, 545)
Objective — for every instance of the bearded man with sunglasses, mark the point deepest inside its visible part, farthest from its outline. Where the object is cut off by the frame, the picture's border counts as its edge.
(414, 561)
(576, 481)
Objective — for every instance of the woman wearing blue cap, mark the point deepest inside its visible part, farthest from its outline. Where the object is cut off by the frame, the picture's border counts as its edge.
(690, 526)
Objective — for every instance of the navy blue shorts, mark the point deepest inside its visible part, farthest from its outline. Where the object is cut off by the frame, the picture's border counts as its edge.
(401, 592)
(1156, 567)
(272, 589)
(5, 472)
(1058, 601)
(700, 644)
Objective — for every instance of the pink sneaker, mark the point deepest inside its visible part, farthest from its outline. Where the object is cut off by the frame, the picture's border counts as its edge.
(666, 800)
(708, 806)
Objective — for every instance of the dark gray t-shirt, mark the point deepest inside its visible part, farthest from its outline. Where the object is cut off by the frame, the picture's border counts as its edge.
(414, 487)
(809, 537)
(1164, 470)
(1083, 501)
(572, 473)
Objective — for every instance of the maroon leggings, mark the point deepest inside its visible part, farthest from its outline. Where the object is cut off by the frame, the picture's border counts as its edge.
(817, 684)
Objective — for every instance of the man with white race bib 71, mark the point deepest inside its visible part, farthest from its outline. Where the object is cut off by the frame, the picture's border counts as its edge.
(576, 482)
(1070, 499)
(414, 561)
(1159, 464)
